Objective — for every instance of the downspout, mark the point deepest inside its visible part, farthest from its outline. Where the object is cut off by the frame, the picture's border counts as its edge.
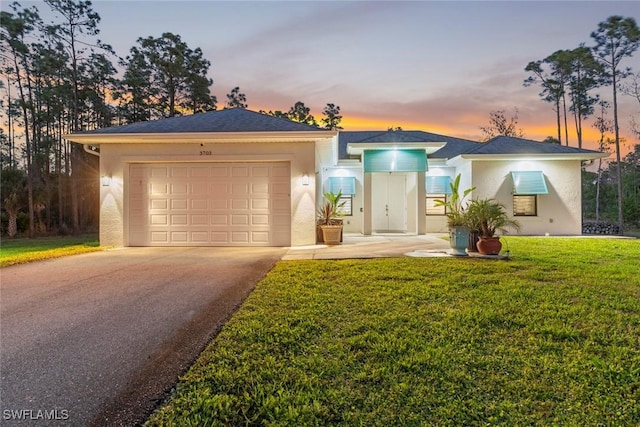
(86, 149)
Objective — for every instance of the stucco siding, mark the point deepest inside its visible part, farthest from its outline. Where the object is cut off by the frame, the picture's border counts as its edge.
(559, 212)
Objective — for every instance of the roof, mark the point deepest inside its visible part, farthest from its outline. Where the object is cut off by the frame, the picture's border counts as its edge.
(230, 120)
(501, 145)
(399, 136)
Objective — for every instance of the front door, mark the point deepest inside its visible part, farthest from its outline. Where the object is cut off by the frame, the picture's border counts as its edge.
(389, 202)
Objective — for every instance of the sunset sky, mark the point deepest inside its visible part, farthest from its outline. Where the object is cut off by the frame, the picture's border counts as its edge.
(434, 66)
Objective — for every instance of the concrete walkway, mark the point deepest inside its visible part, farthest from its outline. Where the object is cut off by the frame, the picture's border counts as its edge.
(374, 246)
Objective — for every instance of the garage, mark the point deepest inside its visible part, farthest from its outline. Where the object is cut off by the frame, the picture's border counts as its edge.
(209, 204)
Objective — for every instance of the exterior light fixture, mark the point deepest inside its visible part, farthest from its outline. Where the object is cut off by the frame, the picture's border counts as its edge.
(105, 180)
(305, 179)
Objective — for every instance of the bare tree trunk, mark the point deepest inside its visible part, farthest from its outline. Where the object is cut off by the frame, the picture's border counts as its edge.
(558, 119)
(598, 190)
(618, 166)
(566, 128)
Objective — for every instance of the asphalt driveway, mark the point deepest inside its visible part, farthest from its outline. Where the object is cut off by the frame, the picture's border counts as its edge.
(98, 339)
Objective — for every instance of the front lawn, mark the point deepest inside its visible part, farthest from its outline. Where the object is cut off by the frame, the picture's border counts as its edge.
(551, 337)
(18, 251)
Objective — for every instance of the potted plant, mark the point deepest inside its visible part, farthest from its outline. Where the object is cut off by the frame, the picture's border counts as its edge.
(457, 220)
(328, 221)
(489, 217)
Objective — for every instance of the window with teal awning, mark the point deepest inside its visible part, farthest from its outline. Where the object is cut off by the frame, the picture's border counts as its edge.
(438, 185)
(529, 182)
(346, 185)
(395, 160)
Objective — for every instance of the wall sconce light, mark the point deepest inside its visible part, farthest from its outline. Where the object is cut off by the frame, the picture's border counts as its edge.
(105, 180)
(305, 179)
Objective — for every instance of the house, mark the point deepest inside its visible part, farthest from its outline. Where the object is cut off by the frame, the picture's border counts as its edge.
(240, 178)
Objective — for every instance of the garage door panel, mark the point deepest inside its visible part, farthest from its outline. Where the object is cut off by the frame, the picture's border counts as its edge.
(199, 172)
(199, 204)
(241, 237)
(179, 237)
(159, 172)
(199, 219)
(200, 236)
(159, 237)
(239, 171)
(259, 204)
(219, 237)
(259, 219)
(260, 237)
(158, 204)
(219, 219)
(179, 220)
(213, 204)
(260, 171)
(239, 219)
(179, 204)
(159, 189)
(239, 204)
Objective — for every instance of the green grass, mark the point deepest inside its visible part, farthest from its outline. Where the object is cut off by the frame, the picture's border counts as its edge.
(19, 251)
(551, 337)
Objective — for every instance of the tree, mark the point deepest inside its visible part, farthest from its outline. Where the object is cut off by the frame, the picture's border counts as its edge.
(603, 125)
(552, 88)
(78, 20)
(134, 93)
(500, 125)
(616, 38)
(332, 117)
(633, 89)
(583, 78)
(236, 99)
(177, 78)
(302, 114)
(12, 195)
(16, 28)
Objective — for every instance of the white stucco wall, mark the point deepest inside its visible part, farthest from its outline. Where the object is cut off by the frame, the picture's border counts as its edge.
(559, 212)
(115, 158)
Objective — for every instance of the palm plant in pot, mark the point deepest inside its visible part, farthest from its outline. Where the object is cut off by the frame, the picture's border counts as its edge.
(489, 216)
(328, 220)
(457, 220)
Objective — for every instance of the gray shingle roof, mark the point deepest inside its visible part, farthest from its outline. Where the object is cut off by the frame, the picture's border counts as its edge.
(231, 120)
(512, 145)
(385, 137)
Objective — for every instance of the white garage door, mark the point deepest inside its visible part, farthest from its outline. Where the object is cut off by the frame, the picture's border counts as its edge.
(210, 204)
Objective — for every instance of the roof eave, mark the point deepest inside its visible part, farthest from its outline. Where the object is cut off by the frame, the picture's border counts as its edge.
(537, 156)
(199, 137)
(359, 147)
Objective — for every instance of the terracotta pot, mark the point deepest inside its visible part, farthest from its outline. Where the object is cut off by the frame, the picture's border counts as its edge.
(320, 238)
(331, 234)
(489, 245)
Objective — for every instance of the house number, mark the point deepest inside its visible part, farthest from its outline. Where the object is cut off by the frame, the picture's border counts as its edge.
(205, 152)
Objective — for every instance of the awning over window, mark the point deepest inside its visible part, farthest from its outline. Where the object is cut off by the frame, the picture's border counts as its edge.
(346, 185)
(438, 185)
(529, 182)
(395, 161)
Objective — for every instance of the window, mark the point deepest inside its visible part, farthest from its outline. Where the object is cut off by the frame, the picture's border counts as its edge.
(525, 205)
(438, 188)
(432, 208)
(347, 208)
(527, 185)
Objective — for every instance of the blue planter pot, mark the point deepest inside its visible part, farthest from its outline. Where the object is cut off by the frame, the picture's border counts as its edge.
(459, 240)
